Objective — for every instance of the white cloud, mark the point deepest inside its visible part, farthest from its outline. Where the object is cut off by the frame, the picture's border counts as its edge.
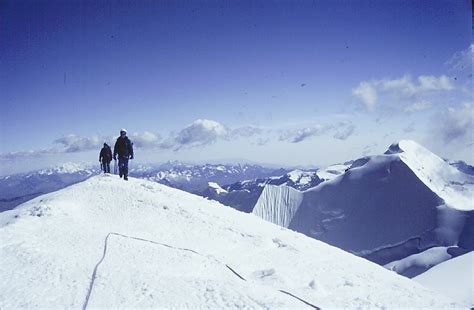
(12, 156)
(418, 106)
(403, 85)
(344, 132)
(462, 60)
(367, 93)
(199, 133)
(146, 139)
(300, 134)
(432, 83)
(457, 124)
(404, 89)
(341, 131)
(245, 131)
(73, 143)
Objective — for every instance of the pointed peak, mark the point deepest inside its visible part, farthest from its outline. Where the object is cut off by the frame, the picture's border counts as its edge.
(404, 146)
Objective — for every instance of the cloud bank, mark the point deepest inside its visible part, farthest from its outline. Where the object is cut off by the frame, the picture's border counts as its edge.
(340, 131)
(462, 61)
(199, 133)
(457, 124)
(405, 89)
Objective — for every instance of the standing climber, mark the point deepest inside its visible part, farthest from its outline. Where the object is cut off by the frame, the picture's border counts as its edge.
(105, 157)
(124, 149)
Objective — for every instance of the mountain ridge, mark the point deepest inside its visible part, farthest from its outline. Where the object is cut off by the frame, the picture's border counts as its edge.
(53, 254)
(380, 208)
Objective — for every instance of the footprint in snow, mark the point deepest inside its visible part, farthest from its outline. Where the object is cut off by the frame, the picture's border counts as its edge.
(281, 244)
(264, 273)
(148, 187)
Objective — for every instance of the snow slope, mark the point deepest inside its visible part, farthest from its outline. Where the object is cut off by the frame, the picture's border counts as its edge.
(106, 243)
(18, 188)
(454, 278)
(384, 208)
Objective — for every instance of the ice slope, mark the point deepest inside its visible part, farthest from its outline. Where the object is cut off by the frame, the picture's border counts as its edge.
(454, 278)
(106, 243)
(384, 208)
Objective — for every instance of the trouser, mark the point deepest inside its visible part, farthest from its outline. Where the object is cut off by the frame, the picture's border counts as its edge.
(106, 166)
(123, 166)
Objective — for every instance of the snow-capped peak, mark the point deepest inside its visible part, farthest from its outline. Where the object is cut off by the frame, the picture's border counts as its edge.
(64, 168)
(216, 187)
(453, 186)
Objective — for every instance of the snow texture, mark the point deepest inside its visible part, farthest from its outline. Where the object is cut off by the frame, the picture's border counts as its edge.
(420, 261)
(454, 278)
(106, 243)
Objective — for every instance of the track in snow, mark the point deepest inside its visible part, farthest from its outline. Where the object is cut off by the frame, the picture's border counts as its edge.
(94, 273)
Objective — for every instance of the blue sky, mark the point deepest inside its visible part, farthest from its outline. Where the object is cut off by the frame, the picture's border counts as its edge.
(283, 82)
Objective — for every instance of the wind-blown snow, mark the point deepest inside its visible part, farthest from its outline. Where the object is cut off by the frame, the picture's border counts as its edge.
(454, 278)
(106, 243)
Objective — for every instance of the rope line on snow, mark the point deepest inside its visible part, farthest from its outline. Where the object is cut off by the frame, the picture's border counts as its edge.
(300, 299)
(94, 273)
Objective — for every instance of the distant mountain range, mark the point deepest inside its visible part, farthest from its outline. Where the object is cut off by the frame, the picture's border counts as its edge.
(194, 178)
(407, 209)
(18, 188)
(243, 195)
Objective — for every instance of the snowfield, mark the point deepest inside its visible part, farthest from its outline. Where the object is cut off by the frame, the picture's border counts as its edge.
(106, 243)
(454, 278)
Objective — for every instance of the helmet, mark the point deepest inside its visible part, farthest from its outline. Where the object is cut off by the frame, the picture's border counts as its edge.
(123, 132)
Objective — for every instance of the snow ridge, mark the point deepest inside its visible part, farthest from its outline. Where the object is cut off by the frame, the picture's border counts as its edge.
(454, 187)
(50, 245)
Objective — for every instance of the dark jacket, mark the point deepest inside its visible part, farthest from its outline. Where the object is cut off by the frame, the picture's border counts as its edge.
(123, 147)
(105, 154)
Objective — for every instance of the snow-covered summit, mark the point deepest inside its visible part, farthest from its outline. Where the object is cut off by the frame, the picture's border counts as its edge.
(453, 186)
(106, 243)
